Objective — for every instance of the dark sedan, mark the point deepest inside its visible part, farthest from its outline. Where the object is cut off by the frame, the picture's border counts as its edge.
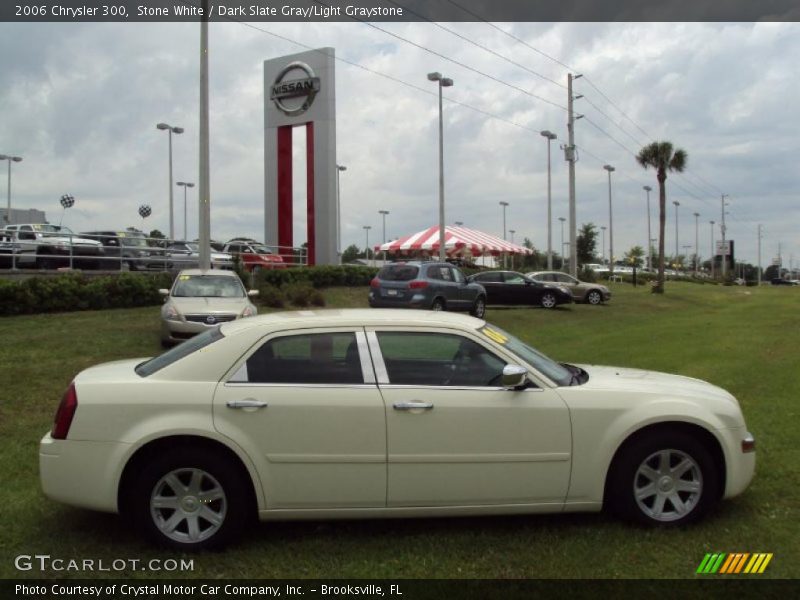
(510, 287)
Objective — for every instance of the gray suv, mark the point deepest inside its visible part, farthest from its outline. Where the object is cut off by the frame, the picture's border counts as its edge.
(433, 285)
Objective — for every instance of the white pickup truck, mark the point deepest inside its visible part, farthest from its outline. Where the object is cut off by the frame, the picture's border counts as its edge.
(45, 246)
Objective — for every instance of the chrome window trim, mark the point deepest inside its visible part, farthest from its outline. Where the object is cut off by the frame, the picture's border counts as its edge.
(401, 386)
(301, 385)
(367, 371)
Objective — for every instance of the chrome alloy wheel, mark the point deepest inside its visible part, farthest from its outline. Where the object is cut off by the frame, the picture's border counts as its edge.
(188, 505)
(548, 301)
(668, 485)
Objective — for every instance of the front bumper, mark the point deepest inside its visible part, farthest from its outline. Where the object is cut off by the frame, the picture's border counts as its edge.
(739, 466)
(178, 331)
(80, 473)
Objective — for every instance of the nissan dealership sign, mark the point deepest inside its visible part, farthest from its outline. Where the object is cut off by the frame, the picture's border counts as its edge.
(291, 95)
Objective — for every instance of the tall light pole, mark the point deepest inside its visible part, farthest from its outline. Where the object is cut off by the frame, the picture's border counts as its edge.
(176, 130)
(713, 254)
(443, 82)
(603, 250)
(759, 254)
(10, 159)
(184, 185)
(550, 137)
(571, 156)
(696, 240)
(366, 248)
(562, 219)
(648, 189)
(339, 169)
(722, 230)
(503, 203)
(383, 214)
(610, 170)
(204, 158)
(677, 204)
(512, 232)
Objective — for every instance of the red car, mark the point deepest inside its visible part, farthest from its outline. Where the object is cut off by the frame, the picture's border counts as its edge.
(254, 255)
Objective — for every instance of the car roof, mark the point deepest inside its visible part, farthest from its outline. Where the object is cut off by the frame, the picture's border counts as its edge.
(224, 272)
(353, 317)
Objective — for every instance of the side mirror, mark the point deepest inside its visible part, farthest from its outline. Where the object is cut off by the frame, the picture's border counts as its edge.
(514, 377)
(163, 292)
(252, 293)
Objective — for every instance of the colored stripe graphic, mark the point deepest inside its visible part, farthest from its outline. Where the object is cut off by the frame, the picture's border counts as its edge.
(734, 563)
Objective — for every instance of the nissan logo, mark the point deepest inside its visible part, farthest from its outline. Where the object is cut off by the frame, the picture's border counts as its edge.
(210, 319)
(305, 87)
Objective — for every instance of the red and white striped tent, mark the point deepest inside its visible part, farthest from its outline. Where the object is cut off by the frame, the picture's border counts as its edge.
(458, 241)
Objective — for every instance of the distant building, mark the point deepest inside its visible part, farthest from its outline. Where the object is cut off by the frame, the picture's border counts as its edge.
(21, 215)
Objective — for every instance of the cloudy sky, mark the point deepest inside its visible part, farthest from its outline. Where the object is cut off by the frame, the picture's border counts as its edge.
(80, 102)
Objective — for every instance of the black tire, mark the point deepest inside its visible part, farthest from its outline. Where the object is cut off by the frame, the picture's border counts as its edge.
(479, 308)
(172, 478)
(548, 300)
(594, 297)
(676, 467)
(438, 304)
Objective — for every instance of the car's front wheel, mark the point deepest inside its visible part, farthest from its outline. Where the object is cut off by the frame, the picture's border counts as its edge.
(438, 304)
(665, 478)
(479, 308)
(548, 300)
(594, 297)
(190, 499)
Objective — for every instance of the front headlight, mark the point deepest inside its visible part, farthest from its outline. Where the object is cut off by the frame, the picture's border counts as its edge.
(169, 312)
(250, 311)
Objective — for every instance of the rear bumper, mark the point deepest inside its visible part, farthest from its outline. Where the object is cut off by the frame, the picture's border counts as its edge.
(79, 473)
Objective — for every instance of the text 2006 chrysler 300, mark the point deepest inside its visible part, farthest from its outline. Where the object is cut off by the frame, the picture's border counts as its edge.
(384, 413)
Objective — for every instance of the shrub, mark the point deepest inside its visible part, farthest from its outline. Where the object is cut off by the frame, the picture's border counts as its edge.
(319, 276)
(317, 298)
(299, 294)
(271, 296)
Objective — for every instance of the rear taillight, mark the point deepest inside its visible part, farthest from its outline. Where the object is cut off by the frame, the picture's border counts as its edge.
(417, 285)
(375, 282)
(65, 413)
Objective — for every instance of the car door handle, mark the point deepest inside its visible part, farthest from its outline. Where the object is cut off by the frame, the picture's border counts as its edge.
(413, 405)
(246, 403)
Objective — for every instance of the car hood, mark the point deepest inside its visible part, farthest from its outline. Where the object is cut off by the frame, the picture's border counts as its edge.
(209, 305)
(62, 239)
(651, 382)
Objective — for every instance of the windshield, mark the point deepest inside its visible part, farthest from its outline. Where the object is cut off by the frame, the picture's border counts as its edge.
(258, 249)
(547, 366)
(53, 230)
(193, 247)
(133, 240)
(207, 286)
(178, 352)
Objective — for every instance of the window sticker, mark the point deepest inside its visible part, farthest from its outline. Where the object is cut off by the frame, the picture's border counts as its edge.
(494, 335)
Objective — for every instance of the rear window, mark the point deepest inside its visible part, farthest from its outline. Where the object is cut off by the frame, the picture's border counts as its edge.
(178, 352)
(398, 273)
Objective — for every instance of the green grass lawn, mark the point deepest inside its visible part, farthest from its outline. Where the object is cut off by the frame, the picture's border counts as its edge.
(743, 339)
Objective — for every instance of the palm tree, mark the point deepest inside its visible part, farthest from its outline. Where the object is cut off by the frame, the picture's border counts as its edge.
(662, 158)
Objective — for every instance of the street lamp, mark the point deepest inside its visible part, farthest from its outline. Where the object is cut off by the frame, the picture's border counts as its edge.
(696, 241)
(184, 185)
(443, 82)
(677, 204)
(610, 170)
(383, 213)
(10, 159)
(339, 169)
(648, 189)
(366, 249)
(503, 203)
(603, 250)
(175, 130)
(713, 256)
(562, 219)
(550, 137)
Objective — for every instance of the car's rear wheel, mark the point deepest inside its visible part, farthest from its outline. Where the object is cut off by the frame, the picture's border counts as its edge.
(438, 304)
(594, 297)
(548, 300)
(190, 499)
(663, 478)
(479, 308)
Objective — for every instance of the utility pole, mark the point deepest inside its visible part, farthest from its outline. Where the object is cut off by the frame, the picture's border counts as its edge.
(722, 229)
(696, 241)
(648, 189)
(569, 156)
(759, 254)
(204, 182)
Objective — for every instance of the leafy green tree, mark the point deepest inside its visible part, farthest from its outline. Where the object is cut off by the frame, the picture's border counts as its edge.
(154, 236)
(661, 157)
(350, 254)
(587, 243)
(635, 256)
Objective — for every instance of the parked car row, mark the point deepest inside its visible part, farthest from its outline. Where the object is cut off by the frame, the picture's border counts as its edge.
(443, 286)
(46, 246)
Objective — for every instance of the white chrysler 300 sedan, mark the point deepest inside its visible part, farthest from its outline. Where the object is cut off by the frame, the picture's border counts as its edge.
(384, 413)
